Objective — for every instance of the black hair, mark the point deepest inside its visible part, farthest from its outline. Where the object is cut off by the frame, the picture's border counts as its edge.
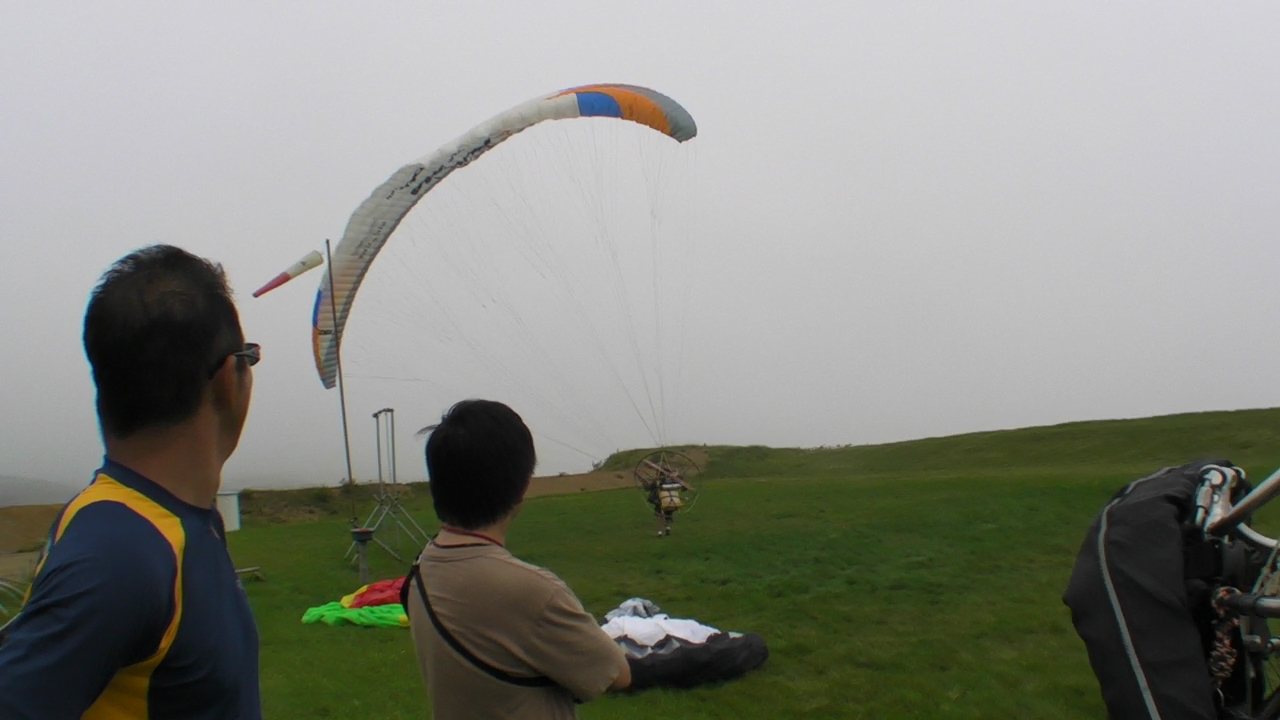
(479, 461)
(157, 326)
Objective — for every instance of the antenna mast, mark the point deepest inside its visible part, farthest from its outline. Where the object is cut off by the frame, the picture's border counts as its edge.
(337, 354)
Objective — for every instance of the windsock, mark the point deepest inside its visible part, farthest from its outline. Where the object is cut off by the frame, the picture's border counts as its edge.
(313, 259)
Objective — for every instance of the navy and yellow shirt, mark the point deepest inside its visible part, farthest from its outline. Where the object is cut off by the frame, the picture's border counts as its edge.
(135, 612)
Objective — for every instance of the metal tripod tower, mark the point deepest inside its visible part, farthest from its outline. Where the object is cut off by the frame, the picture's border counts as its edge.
(388, 505)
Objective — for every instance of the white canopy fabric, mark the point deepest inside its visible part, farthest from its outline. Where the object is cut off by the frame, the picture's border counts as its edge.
(643, 623)
(652, 630)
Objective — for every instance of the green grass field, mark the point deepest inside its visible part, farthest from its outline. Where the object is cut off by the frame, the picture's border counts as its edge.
(918, 579)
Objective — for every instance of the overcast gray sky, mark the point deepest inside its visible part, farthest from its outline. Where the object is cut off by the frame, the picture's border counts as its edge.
(901, 219)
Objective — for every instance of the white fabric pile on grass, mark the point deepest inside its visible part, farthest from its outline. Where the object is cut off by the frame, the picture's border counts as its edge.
(635, 607)
(640, 623)
(652, 631)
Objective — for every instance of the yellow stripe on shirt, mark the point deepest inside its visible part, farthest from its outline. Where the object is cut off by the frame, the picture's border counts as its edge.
(125, 697)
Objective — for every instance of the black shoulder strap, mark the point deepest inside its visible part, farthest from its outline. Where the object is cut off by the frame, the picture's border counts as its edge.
(415, 576)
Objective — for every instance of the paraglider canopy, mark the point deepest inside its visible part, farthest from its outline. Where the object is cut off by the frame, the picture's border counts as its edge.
(379, 215)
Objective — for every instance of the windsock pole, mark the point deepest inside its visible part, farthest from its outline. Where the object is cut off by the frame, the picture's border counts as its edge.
(337, 354)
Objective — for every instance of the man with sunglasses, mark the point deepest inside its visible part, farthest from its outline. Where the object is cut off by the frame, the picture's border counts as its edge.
(135, 610)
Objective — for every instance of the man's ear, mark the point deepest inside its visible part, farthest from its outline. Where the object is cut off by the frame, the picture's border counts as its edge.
(224, 383)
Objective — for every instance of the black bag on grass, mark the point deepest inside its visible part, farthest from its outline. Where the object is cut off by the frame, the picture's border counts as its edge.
(1139, 599)
(723, 657)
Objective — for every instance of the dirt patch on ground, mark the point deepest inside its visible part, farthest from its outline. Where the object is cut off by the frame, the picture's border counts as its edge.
(701, 456)
(586, 482)
(22, 527)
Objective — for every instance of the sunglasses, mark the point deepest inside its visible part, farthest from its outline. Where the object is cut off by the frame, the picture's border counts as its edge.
(251, 353)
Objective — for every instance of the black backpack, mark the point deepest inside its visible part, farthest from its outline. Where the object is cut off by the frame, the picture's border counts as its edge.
(1140, 599)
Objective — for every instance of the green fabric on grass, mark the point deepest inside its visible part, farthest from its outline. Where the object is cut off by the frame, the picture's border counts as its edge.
(375, 616)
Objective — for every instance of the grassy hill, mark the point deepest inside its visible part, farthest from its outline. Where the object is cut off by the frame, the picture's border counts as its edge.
(907, 580)
(913, 579)
(1247, 437)
(1250, 438)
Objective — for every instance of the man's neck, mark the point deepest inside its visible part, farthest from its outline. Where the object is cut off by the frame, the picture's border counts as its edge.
(178, 460)
(497, 532)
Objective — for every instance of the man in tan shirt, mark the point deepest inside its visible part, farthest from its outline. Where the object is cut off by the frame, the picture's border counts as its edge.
(497, 638)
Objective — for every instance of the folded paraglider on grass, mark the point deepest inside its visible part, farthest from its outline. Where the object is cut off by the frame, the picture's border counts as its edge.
(377, 616)
(679, 652)
(664, 651)
(373, 605)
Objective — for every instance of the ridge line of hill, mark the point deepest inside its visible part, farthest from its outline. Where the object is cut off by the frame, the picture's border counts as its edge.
(1248, 437)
